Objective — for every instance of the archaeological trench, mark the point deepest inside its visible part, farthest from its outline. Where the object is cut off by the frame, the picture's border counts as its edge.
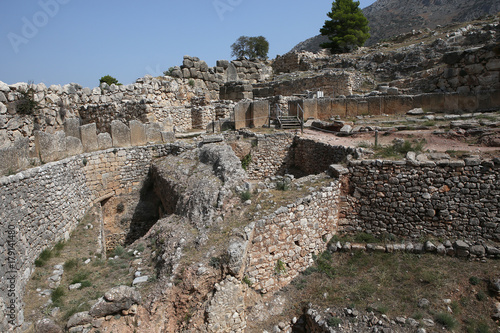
(173, 163)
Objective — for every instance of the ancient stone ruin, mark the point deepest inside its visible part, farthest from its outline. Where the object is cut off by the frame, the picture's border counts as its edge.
(170, 169)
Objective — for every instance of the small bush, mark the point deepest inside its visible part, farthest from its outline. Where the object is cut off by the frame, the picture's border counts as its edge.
(247, 281)
(80, 276)
(334, 321)
(246, 195)
(45, 255)
(120, 208)
(57, 296)
(400, 149)
(446, 320)
(85, 284)
(283, 185)
(481, 296)
(310, 270)
(118, 251)
(169, 71)
(324, 264)
(245, 162)
(280, 267)
(364, 237)
(473, 280)
(109, 80)
(70, 264)
(59, 247)
(191, 83)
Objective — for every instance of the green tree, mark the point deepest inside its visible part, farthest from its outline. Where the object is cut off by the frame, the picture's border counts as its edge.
(347, 28)
(250, 47)
(109, 80)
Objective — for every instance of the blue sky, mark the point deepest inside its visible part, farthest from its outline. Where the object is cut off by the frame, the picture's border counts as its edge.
(63, 41)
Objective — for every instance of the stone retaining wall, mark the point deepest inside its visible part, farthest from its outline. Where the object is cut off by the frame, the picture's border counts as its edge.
(284, 243)
(41, 206)
(325, 108)
(444, 199)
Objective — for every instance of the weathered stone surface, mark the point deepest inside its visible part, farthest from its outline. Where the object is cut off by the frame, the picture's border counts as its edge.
(89, 137)
(242, 114)
(50, 147)
(73, 146)
(153, 132)
(117, 299)
(120, 134)
(72, 127)
(137, 133)
(104, 141)
(78, 319)
(14, 157)
(47, 325)
(168, 137)
(226, 312)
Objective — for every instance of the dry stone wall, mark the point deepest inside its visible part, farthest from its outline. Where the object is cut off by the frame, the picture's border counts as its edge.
(444, 199)
(42, 205)
(284, 243)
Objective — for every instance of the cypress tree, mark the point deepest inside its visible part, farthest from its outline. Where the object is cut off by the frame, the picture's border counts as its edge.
(347, 28)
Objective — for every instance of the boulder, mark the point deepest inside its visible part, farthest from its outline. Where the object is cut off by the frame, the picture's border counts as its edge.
(78, 319)
(117, 299)
(47, 325)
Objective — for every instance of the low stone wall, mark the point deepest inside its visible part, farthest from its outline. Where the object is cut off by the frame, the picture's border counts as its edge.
(444, 199)
(312, 157)
(41, 206)
(284, 243)
(325, 108)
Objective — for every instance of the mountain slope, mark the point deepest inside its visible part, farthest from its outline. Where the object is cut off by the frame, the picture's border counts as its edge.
(392, 17)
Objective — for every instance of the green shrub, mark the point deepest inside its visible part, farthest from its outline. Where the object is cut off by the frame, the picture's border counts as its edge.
(364, 237)
(169, 71)
(26, 104)
(191, 83)
(109, 80)
(334, 321)
(283, 185)
(446, 320)
(118, 251)
(246, 195)
(57, 296)
(247, 281)
(245, 162)
(481, 296)
(473, 280)
(120, 208)
(80, 276)
(324, 264)
(280, 267)
(85, 284)
(70, 264)
(400, 149)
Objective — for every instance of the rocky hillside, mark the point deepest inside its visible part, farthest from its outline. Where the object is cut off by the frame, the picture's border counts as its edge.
(392, 17)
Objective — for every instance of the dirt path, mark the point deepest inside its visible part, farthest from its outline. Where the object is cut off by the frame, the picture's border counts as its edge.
(438, 143)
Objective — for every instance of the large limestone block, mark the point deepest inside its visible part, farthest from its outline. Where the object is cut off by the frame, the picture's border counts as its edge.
(153, 132)
(50, 147)
(260, 112)
(14, 157)
(104, 141)
(137, 133)
(89, 137)
(231, 73)
(168, 137)
(242, 113)
(72, 127)
(120, 133)
(73, 146)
